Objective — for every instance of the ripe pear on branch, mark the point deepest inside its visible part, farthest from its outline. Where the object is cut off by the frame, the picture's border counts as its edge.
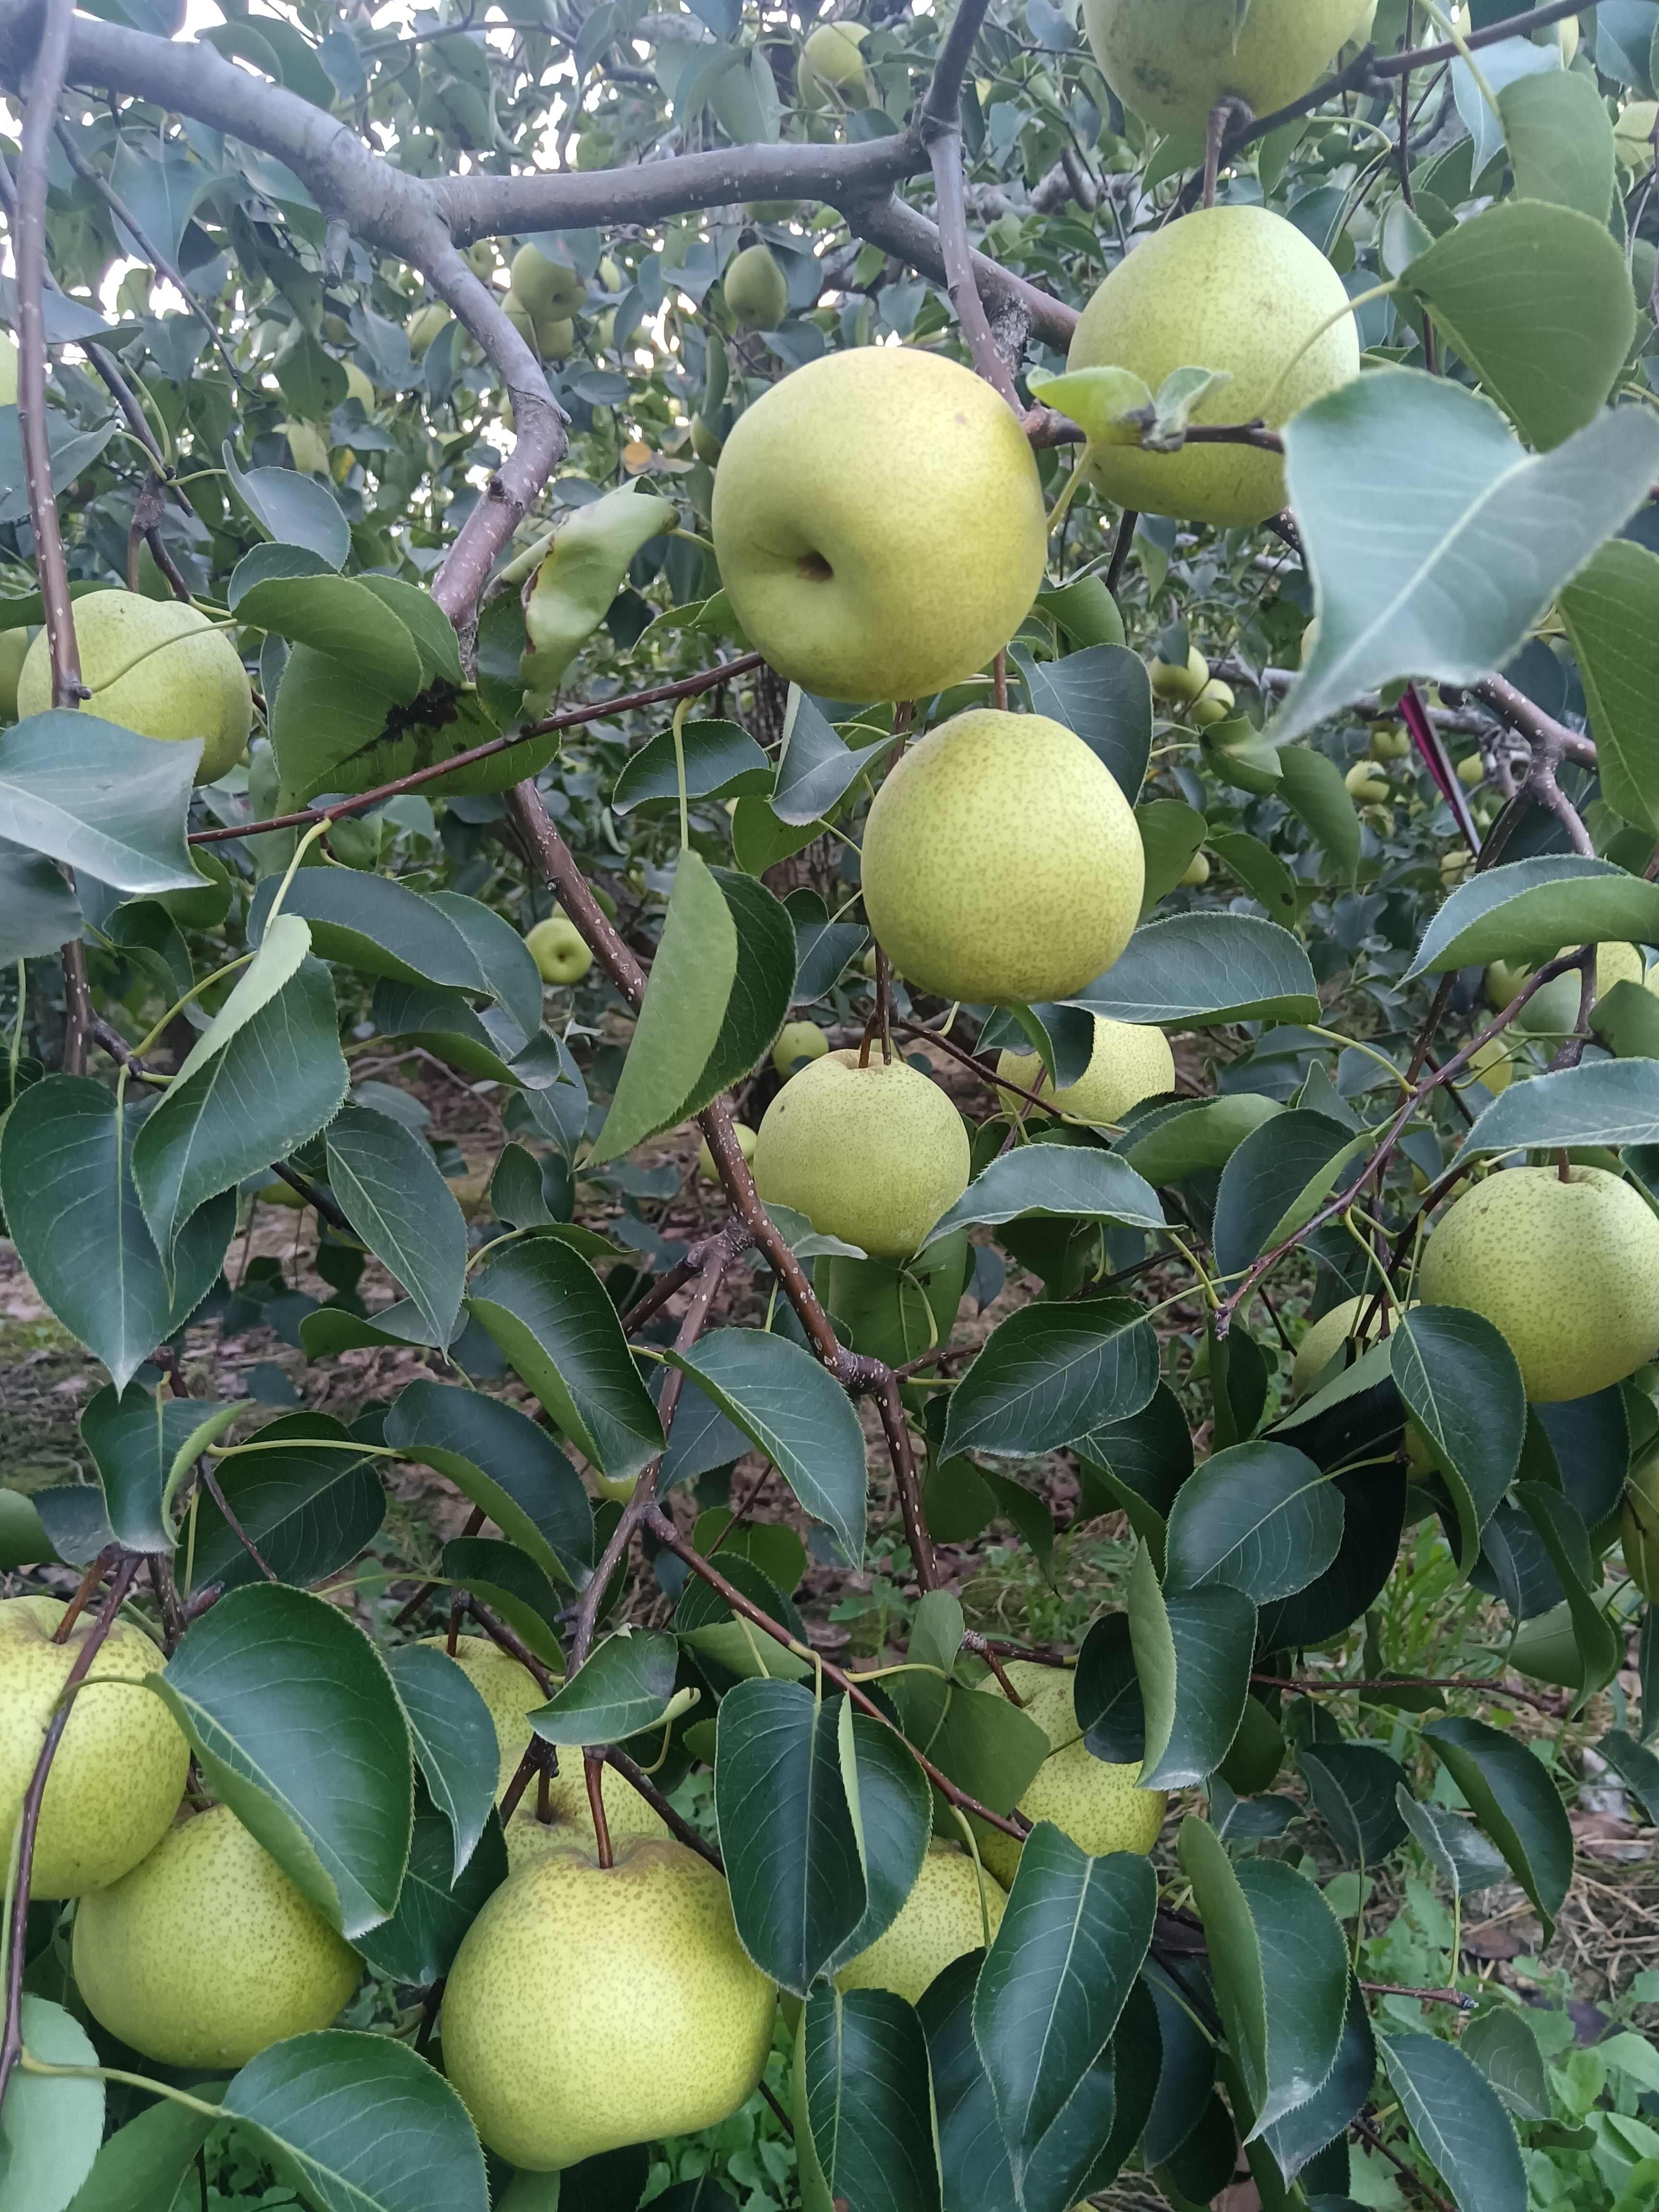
(1172, 60)
(1101, 1806)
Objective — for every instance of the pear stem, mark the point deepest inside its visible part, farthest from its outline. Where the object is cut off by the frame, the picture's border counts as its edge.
(89, 1581)
(593, 1768)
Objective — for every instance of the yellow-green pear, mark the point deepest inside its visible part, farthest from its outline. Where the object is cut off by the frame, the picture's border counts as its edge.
(548, 288)
(705, 444)
(942, 1917)
(14, 650)
(307, 448)
(561, 952)
(1130, 1062)
(1326, 1336)
(1388, 741)
(1568, 1272)
(1101, 1806)
(1172, 60)
(798, 1041)
(1502, 983)
(1213, 704)
(1494, 1064)
(830, 73)
(1198, 872)
(879, 524)
(610, 275)
(1638, 1526)
(120, 1766)
(1177, 682)
(747, 1141)
(1632, 134)
(206, 1953)
(423, 325)
(1232, 289)
(756, 290)
(156, 666)
(508, 1688)
(874, 1155)
(278, 1193)
(1002, 863)
(8, 369)
(1471, 770)
(551, 337)
(1553, 1011)
(1366, 782)
(569, 1822)
(591, 2006)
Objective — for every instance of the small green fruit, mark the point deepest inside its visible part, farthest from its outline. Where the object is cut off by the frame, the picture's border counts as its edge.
(830, 74)
(1213, 704)
(1554, 1011)
(1100, 1805)
(423, 327)
(706, 1167)
(942, 1917)
(757, 290)
(550, 291)
(206, 1953)
(1326, 1337)
(873, 1155)
(1366, 783)
(1389, 741)
(561, 952)
(704, 442)
(1198, 872)
(1176, 684)
(798, 1041)
(1471, 770)
(1130, 1062)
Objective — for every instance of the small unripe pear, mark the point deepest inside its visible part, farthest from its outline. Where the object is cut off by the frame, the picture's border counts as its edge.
(704, 443)
(1100, 1805)
(591, 2006)
(1389, 741)
(1198, 872)
(278, 1193)
(1002, 863)
(1366, 782)
(1213, 704)
(874, 1155)
(1130, 1062)
(561, 952)
(798, 1041)
(423, 327)
(206, 1953)
(155, 666)
(1503, 980)
(1176, 682)
(1471, 770)
(706, 1167)
(1494, 1064)
(121, 1763)
(548, 288)
(1326, 1336)
(757, 290)
(830, 73)
(942, 1917)
(1568, 1272)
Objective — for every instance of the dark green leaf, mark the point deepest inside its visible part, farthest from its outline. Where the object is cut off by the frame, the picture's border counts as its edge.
(1454, 1846)
(1528, 910)
(1262, 871)
(1300, 2135)
(313, 1758)
(342, 618)
(1602, 1102)
(973, 2159)
(1192, 1651)
(1636, 1768)
(1560, 1528)
(1355, 1786)
(39, 910)
(505, 1462)
(1457, 2117)
(101, 798)
(816, 770)
(437, 1904)
(1103, 694)
(625, 1685)
(1196, 1136)
(1312, 785)
(1610, 609)
(1107, 1693)
(1506, 2051)
(1515, 1801)
(1459, 1377)
(1063, 1179)
(454, 1743)
(1273, 1182)
(1171, 832)
(1259, 1516)
(144, 1444)
(378, 927)
(1205, 968)
(1050, 1373)
(308, 1508)
(863, 2129)
(387, 1183)
(292, 508)
(1139, 1465)
(722, 761)
(141, 2166)
(50, 2129)
(892, 1805)
(512, 1583)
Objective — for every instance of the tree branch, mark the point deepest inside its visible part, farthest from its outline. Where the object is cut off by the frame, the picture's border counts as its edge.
(945, 151)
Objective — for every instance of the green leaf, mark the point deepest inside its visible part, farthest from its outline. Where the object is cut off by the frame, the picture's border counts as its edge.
(361, 2124)
(1195, 1136)
(72, 1210)
(1055, 1179)
(1192, 1651)
(38, 911)
(1050, 1373)
(1171, 832)
(761, 991)
(1105, 695)
(454, 1743)
(1355, 1787)
(515, 1586)
(547, 1311)
(1636, 1768)
(1461, 1386)
(1455, 1847)
(1599, 1646)
(308, 1508)
(1297, 2138)
(863, 2119)
(1506, 2051)
(892, 1810)
(1312, 785)
(142, 2167)
(722, 761)
(1515, 1801)
(436, 1906)
(292, 508)
(793, 1410)
(387, 1183)
(1435, 542)
(380, 927)
(504, 960)
(1260, 1518)
(144, 1444)
(1611, 610)
(312, 1757)
(788, 1835)
(1537, 300)
(276, 1082)
(1141, 1462)
(505, 1462)
(1531, 910)
(1262, 873)
(1279, 1963)
(973, 2161)
(340, 618)
(101, 798)
(623, 1686)
(1600, 1102)
(1275, 1181)
(1457, 2117)
(50, 2129)
(816, 770)
(1106, 1694)
(704, 1622)
(1073, 1938)
(1560, 141)
(1205, 968)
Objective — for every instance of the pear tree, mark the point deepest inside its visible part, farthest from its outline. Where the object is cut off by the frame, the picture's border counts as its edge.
(828, 1040)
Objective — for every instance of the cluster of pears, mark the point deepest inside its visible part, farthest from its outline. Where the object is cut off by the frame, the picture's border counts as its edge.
(191, 1943)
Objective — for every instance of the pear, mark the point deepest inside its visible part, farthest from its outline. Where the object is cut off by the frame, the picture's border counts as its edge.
(1554, 1011)
(550, 337)
(874, 1155)
(423, 325)
(1213, 704)
(830, 74)
(1130, 1060)
(939, 1920)
(1366, 783)
(1233, 288)
(121, 1762)
(1569, 1271)
(1504, 981)
(155, 666)
(509, 1690)
(591, 2006)
(1177, 682)
(1002, 863)
(747, 1141)
(1638, 1526)
(1470, 771)
(307, 448)
(1388, 741)
(569, 1823)
(1494, 1064)
(561, 952)
(1171, 60)
(1197, 873)
(549, 290)
(798, 1041)
(1101, 1806)
(206, 1952)
(879, 524)
(1326, 1337)
(757, 290)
